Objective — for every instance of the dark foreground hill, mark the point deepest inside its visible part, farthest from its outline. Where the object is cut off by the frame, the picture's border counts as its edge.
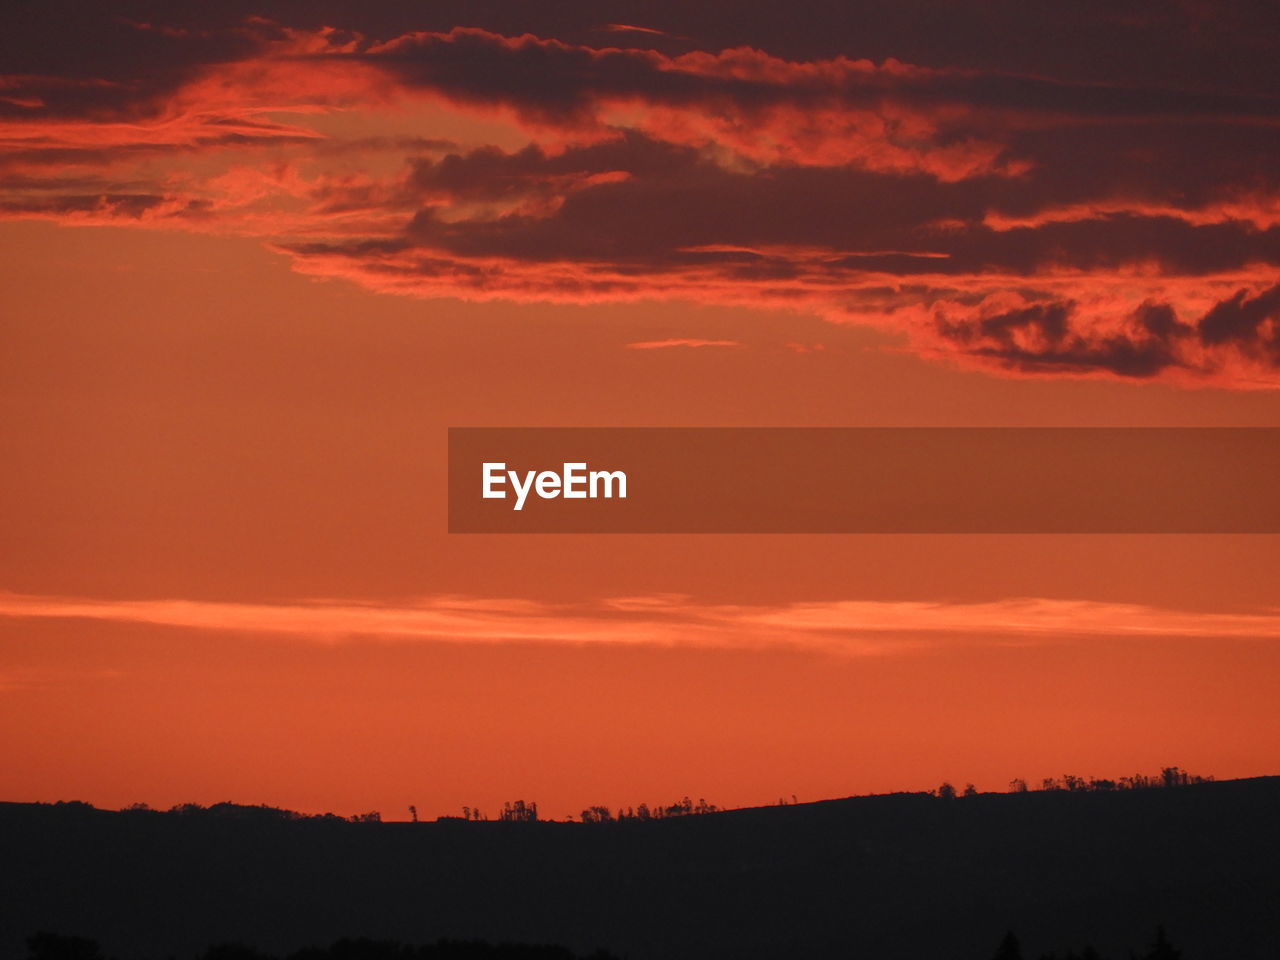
(905, 876)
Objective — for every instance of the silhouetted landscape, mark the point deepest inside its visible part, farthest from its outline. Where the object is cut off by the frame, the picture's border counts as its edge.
(1077, 869)
(531, 432)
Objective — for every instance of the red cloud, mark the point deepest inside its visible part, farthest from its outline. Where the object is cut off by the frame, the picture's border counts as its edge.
(680, 342)
(1019, 225)
(836, 628)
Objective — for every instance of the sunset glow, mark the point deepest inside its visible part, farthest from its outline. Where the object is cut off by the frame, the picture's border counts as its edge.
(258, 261)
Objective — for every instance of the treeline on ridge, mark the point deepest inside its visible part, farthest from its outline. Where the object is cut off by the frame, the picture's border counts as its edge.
(522, 811)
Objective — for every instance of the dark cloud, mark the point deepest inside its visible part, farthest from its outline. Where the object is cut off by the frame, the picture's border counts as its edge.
(1225, 45)
(83, 61)
(1044, 337)
(551, 78)
(974, 183)
(1240, 321)
(100, 205)
(671, 200)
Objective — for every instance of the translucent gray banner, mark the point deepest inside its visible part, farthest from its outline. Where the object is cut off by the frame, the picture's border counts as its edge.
(864, 480)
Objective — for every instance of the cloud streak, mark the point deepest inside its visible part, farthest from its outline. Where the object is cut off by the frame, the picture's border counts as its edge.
(841, 628)
(680, 342)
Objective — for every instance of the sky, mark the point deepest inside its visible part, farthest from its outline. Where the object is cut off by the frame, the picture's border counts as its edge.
(259, 259)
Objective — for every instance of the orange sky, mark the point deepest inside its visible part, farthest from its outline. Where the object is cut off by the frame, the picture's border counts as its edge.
(224, 572)
(189, 419)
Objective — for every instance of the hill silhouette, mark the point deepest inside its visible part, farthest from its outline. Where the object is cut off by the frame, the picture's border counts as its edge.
(897, 876)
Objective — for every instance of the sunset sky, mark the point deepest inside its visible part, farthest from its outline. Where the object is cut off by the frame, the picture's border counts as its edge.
(258, 260)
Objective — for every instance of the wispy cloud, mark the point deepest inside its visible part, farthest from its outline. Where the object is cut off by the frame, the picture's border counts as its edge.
(15, 680)
(846, 628)
(629, 28)
(680, 342)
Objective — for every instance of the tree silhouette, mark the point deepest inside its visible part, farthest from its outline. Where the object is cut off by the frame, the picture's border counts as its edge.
(519, 812)
(1009, 948)
(1161, 948)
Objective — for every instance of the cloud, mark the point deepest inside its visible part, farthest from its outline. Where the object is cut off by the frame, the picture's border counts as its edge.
(680, 342)
(17, 680)
(843, 628)
(628, 28)
(1145, 342)
(1019, 224)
